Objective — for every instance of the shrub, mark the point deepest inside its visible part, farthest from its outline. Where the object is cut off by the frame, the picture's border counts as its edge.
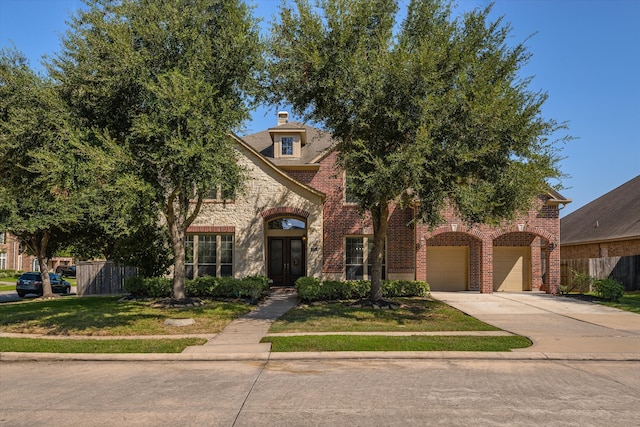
(9, 273)
(308, 288)
(153, 287)
(581, 282)
(201, 287)
(405, 288)
(609, 289)
(312, 289)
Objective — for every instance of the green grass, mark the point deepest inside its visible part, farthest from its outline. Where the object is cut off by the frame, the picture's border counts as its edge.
(395, 343)
(629, 302)
(108, 316)
(414, 315)
(30, 345)
(4, 287)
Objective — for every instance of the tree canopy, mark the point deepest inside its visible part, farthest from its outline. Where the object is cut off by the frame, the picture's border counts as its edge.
(166, 81)
(40, 201)
(433, 107)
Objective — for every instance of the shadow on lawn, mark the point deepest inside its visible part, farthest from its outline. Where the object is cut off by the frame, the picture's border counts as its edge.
(414, 314)
(104, 316)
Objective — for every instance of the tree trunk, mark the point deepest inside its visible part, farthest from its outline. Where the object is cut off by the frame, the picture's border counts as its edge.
(380, 218)
(38, 245)
(179, 271)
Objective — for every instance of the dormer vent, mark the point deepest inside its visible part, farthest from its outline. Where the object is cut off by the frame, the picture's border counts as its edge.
(283, 118)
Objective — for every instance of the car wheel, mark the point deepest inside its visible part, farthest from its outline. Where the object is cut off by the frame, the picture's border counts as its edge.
(21, 295)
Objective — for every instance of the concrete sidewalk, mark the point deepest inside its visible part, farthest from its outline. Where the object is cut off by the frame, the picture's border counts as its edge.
(243, 335)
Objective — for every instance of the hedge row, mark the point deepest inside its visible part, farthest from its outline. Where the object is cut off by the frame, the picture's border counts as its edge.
(250, 287)
(312, 289)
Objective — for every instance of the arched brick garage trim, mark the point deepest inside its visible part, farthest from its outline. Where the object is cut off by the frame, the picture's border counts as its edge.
(284, 210)
(524, 228)
(521, 235)
(445, 237)
(452, 228)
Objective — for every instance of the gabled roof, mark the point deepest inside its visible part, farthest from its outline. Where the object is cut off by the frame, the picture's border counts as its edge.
(317, 143)
(613, 216)
(240, 141)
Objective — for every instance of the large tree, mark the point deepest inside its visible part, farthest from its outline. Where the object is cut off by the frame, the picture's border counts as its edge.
(41, 196)
(433, 108)
(167, 80)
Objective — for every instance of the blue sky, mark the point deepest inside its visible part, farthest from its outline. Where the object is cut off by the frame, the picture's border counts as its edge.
(586, 56)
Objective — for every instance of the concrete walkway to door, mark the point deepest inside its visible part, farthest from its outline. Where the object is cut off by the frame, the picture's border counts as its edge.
(555, 324)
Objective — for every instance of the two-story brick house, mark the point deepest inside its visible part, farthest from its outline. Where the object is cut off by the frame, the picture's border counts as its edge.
(294, 218)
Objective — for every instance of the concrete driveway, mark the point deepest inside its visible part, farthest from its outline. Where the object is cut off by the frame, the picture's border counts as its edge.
(555, 324)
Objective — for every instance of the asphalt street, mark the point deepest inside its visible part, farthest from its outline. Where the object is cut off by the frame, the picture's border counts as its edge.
(321, 393)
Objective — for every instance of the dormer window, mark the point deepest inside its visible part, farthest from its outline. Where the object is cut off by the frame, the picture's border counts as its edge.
(287, 146)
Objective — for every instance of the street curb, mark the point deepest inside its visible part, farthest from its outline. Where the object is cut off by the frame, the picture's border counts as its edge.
(302, 356)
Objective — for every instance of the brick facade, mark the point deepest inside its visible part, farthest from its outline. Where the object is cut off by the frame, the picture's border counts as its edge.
(15, 259)
(538, 229)
(630, 247)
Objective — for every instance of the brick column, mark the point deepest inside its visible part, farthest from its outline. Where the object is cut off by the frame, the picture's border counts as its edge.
(553, 268)
(486, 269)
(536, 267)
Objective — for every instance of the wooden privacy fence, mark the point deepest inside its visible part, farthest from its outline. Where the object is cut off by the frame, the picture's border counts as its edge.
(102, 278)
(624, 269)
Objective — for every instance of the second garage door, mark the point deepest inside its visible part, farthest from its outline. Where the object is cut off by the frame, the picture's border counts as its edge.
(447, 268)
(511, 269)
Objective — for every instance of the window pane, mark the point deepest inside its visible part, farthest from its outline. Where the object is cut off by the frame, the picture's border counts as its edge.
(355, 250)
(286, 224)
(348, 194)
(226, 271)
(188, 249)
(287, 146)
(189, 271)
(206, 249)
(354, 272)
(226, 249)
(354, 258)
(206, 270)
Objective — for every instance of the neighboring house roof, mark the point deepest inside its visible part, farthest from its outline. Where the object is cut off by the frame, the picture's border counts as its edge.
(613, 216)
(316, 143)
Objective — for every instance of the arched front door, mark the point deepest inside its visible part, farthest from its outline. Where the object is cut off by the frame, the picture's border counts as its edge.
(286, 243)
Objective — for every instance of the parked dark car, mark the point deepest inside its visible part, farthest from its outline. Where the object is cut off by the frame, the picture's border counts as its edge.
(66, 270)
(31, 283)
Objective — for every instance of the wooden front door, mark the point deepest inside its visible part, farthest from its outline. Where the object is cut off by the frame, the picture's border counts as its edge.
(286, 260)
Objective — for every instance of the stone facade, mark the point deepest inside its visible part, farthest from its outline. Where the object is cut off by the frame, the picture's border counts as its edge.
(268, 193)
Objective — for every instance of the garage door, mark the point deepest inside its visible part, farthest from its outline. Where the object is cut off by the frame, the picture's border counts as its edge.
(447, 268)
(511, 269)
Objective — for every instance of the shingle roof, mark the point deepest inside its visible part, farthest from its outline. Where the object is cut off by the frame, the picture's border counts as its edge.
(318, 142)
(613, 216)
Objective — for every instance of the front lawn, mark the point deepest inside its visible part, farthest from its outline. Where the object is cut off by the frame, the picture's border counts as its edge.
(395, 343)
(30, 345)
(629, 302)
(414, 314)
(112, 317)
